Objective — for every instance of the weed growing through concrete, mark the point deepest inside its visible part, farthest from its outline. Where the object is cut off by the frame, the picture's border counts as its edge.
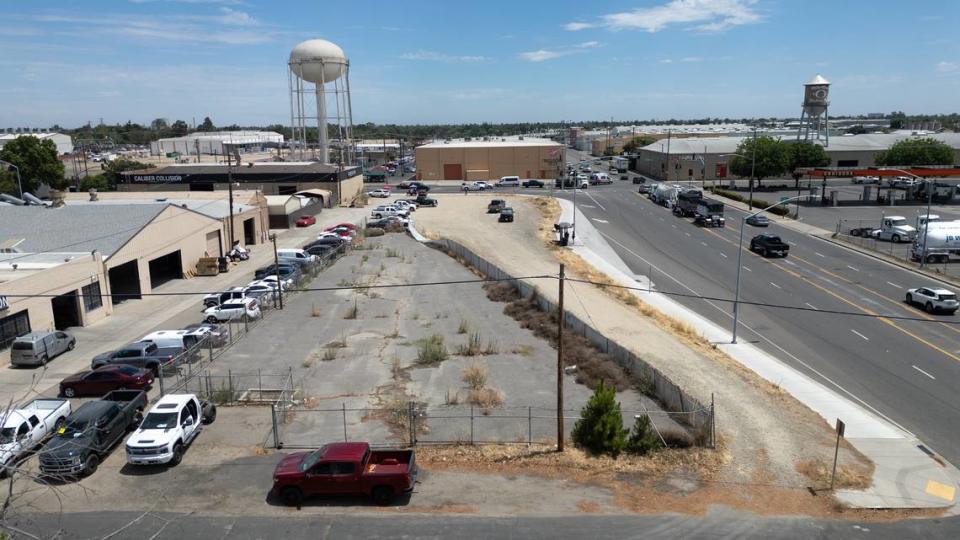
(464, 327)
(486, 399)
(364, 259)
(522, 350)
(431, 350)
(452, 398)
(472, 347)
(475, 376)
(395, 366)
(390, 252)
(329, 354)
(315, 311)
(353, 312)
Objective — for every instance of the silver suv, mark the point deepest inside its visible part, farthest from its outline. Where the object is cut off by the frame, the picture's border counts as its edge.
(933, 299)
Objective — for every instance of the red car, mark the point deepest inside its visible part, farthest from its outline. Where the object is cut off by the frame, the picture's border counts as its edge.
(350, 226)
(306, 221)
(106, 379)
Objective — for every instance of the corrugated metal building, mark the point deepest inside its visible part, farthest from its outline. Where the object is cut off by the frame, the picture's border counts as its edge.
(490, 159)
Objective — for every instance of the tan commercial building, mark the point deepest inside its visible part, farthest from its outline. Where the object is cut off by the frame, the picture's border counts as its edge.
(69, 266)
(488, 160)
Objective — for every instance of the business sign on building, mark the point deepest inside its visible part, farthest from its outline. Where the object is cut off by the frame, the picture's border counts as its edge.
(4, 305)
(721, 170)
(158, 178)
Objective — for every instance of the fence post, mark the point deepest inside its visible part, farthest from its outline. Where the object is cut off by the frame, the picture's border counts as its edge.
(273, 418)
(246, 324)
(160, 377)
(259, 384)
(529, 426)
(344, 408)
(210, 348)
(713, 423)
(230, 383)
(471, 424)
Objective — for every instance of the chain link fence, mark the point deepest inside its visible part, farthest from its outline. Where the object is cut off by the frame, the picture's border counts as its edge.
(857, 232)
(411, 423)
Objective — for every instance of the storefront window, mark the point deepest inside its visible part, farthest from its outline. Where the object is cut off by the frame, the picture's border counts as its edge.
(13, 326)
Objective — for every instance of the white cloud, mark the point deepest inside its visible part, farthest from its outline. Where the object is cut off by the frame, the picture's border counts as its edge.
(433, 56)
(236, 18)
(947, 67)
(223, 28)
(705, 15)
(542, 55)
(692, 59)
(222, 2)
(666, 61)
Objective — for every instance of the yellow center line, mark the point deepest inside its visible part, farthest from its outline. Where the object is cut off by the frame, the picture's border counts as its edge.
(848, 302)
(911, 309)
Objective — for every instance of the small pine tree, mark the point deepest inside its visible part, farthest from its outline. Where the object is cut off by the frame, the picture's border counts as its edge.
(600, 427)
(642, 438)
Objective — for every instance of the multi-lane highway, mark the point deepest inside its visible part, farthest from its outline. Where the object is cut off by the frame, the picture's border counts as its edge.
(905, 370)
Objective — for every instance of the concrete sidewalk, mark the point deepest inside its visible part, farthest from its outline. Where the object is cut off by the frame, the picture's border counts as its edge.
(905, 476)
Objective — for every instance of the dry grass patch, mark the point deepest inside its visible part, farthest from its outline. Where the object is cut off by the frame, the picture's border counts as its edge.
(486, 399)
(848, 476)
(475, 376)
(588, 507)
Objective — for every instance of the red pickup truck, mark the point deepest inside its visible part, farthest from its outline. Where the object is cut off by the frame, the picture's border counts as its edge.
(350, 468)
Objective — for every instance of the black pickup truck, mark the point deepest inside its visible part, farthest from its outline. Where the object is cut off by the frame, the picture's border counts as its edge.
(142, 354)
(769, 245)
(89, 434)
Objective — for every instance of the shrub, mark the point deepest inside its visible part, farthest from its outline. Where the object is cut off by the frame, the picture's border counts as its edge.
(485, 398)
(600, 427)
(464, 327)
(642, 439)
(757, 203)
(472, 347)
(431, 350)
(354, 311)
(475, 376)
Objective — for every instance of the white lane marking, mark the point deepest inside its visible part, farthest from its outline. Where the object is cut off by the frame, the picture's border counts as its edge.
(924, 372)
(661, 219)
(791, 243)
(775, 285)
(704, 244)
(747, 269)
(586, 205)
(852, 268)
(811, 306)
(770, 342)
(674, 226)
(788, 261)
(595, 200)
(598, 220)
(894, 285)
(724, 255)
(818, 254)
(859, 334)
(686, 233)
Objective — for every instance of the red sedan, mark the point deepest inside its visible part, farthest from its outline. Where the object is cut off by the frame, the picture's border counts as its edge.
(306, 221)
(106, 379)
(350, 226)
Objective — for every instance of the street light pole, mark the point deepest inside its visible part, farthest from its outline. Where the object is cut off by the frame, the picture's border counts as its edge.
(753, 167)
(736, 295)
(19, 183)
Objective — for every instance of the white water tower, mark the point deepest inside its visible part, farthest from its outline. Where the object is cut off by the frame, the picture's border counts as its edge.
(319, 78)
(815, 117)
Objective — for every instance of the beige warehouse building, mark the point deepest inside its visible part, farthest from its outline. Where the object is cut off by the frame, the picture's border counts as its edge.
(487, 160)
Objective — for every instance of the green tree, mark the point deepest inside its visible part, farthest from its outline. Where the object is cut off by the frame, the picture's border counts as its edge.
(638, 142)
(179, 128)
(8, 182)
(772, 158)
(856, 130)
(642, 439)
(600, 428)
(95, 181)
(806, 154)
(909, 152)
(37, 161)
(207, 125)
(112, 169)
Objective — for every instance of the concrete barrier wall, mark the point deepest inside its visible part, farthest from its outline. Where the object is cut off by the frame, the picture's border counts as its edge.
(698, 416)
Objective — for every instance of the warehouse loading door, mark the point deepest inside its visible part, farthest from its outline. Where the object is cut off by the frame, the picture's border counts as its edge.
(248, 234)
(66, 310)
(452, 171)
(165, 268)
(124, 282)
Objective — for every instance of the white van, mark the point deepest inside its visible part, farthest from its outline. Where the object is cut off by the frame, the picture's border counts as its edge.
(509, 181)
(294, 253)
(184, 339)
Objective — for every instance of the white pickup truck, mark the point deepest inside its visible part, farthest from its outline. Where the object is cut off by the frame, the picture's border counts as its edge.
(168, 428)
(26, 428)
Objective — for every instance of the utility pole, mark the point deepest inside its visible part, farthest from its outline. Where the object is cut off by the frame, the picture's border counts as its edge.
(230, 191)
(753, 166)
(560, 427)
(669, 165)
(276, 267)
(923, 254)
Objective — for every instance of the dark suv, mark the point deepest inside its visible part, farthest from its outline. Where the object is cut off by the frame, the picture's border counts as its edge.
(496, 206)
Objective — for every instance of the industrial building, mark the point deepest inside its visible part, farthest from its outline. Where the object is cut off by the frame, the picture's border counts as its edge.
(70, 266)
(64, 142)
(489, 159)
(216, 143)
(270, 178)
(708, 158)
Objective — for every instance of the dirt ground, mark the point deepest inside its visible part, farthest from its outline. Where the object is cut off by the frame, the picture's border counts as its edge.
(768, 435)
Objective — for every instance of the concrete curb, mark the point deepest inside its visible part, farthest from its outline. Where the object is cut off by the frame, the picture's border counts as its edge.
(904, 476)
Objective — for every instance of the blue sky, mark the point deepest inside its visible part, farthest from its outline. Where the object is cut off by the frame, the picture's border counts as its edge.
(418, 61)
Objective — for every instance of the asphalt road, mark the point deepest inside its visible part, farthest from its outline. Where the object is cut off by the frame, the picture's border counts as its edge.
(903, 369)
(717, 525)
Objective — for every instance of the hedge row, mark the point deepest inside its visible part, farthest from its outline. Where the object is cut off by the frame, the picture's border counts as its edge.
(757, 203)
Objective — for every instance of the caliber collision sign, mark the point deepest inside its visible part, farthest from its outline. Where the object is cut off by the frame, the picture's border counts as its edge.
(158, 178)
